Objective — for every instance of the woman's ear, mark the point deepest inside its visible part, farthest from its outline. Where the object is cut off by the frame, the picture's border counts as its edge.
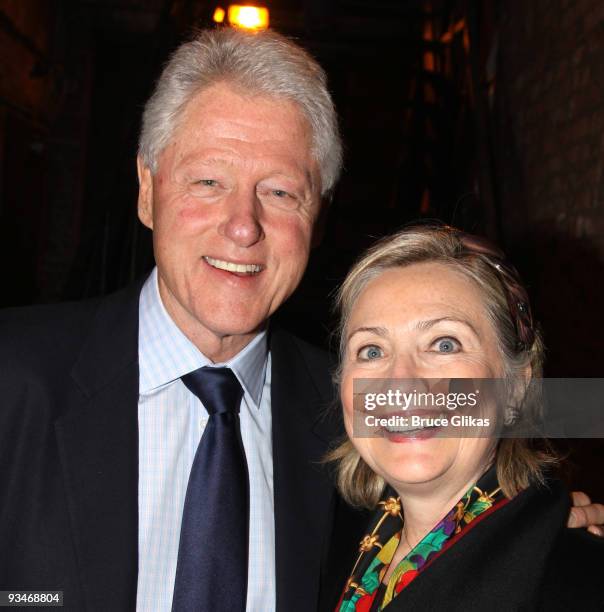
(517, 393)
(525, 380)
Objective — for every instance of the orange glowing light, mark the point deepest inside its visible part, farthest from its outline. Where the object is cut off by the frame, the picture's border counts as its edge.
(248, 17)
(459, 26)
(429, 59)
(219, 15)
(424, 207)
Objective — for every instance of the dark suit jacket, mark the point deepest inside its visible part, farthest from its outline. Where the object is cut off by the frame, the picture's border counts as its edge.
(522, 557)
(69, 456)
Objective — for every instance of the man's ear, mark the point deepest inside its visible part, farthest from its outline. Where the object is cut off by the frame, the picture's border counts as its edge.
(318, 230)
(145, 193)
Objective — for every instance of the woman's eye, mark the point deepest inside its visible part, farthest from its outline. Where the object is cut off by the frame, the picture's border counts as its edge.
(447, 345)
(370, 352)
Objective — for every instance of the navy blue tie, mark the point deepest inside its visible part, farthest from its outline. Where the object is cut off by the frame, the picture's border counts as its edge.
(211, 574)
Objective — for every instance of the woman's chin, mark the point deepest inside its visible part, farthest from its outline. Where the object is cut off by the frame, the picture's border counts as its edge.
(414, 477)
(418, 464)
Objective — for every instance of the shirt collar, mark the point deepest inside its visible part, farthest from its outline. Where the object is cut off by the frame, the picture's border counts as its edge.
(166, 354)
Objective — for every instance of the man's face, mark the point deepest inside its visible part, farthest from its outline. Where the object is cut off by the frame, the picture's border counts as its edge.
(232, 209)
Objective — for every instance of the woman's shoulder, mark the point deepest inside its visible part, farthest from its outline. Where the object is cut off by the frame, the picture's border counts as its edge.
(574, 576)
(582, 546)
(573, 572)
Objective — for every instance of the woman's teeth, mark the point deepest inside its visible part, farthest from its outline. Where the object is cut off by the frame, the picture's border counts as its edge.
(405, 429)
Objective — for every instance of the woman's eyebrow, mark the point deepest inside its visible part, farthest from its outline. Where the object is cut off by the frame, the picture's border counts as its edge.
(425, 325)
(378, 331)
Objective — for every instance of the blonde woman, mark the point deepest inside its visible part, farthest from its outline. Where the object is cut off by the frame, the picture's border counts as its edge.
(459, 523)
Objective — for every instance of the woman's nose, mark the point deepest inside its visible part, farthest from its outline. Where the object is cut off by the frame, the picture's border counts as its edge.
(404, 366)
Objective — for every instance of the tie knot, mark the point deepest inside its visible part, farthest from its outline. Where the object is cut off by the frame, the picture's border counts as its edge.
(217, 388)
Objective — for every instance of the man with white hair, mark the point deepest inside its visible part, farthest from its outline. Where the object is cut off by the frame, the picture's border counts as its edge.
(105, 439)
(161, 448)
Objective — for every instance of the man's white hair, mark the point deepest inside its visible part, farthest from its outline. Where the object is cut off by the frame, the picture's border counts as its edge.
(263, 63)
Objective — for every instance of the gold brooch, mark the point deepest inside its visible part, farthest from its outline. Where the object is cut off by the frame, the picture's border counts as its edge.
(368, 542)
(392, 506)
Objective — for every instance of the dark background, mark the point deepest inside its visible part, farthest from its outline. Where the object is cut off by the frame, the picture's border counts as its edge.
(486, 114)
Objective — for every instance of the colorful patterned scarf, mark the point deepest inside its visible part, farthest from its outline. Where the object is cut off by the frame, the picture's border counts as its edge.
(364, 590)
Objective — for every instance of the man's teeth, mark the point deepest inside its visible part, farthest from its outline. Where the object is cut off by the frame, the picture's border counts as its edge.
(229, 266)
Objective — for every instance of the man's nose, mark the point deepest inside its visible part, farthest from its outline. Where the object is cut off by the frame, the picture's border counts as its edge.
(242, 219)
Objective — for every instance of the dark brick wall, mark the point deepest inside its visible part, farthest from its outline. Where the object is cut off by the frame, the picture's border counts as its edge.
(550, 153)
(551, 162)
(553, 58)
(553, 65)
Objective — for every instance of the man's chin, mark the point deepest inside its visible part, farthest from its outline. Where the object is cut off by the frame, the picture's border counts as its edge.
(234, 327)
(235, 332)
(222, 342)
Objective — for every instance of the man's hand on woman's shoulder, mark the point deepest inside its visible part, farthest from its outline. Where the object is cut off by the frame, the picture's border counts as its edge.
(586, 514)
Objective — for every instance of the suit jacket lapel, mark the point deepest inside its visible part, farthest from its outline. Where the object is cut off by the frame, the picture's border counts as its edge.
(97, 437)
(301, 394)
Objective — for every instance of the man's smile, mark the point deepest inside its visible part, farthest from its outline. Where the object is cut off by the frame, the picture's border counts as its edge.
(231, 266)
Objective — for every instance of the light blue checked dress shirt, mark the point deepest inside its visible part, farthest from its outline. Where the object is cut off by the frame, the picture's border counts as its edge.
(171, 421)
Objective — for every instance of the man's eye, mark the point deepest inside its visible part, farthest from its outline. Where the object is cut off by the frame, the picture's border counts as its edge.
(447, 345)
(207, 182)
(278, 197)
(370, 352)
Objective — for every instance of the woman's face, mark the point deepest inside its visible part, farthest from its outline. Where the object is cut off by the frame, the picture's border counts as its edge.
(424, 320)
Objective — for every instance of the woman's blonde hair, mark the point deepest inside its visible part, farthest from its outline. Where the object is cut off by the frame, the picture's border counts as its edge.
(518, 461)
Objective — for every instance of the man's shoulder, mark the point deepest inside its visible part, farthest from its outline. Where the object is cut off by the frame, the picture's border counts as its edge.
(38, 346)
(284, 339)
(49, 334)
(24, 319)
(43, 330)
(297, 360)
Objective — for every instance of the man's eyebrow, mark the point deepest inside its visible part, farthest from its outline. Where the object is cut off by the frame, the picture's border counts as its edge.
(378, 331)
(425, 325)
(195, 160)
(207, 161)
